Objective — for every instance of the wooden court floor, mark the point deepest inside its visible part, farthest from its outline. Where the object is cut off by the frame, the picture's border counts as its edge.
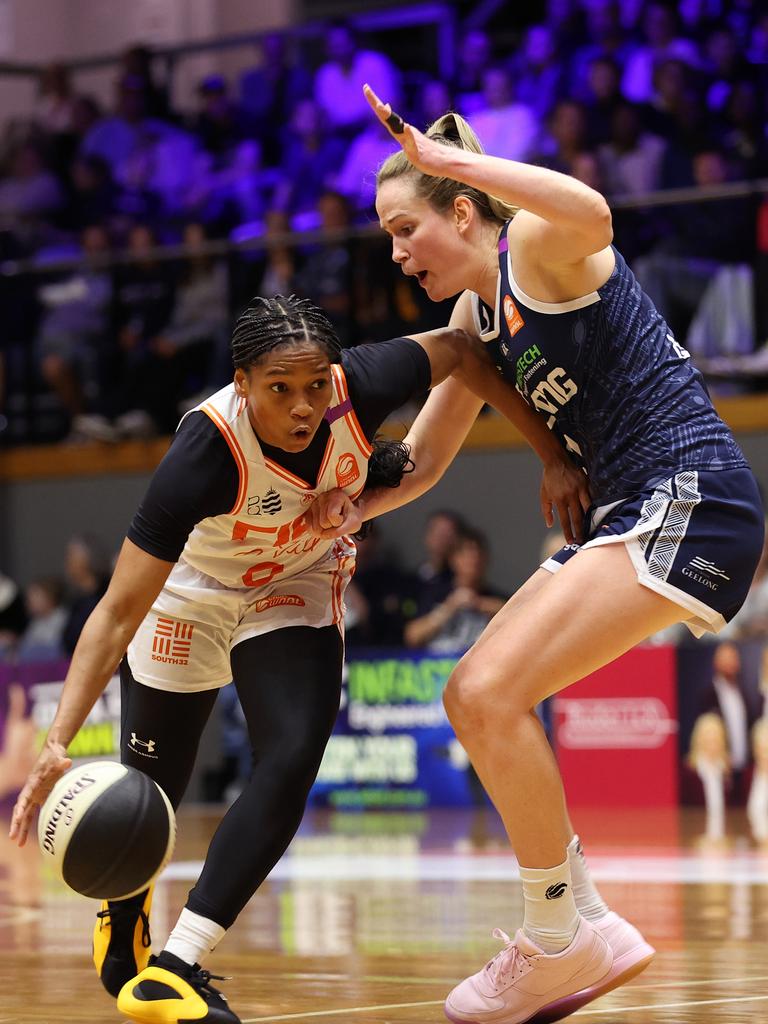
(371, 918)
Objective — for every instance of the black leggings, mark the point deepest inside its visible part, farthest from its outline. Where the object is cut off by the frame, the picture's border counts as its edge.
(289, 685)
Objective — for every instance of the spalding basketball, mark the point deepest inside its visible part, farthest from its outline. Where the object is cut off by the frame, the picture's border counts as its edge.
(107, 830)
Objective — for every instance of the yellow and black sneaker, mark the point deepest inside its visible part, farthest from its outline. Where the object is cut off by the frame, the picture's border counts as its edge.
(121, 940)
(171, 991)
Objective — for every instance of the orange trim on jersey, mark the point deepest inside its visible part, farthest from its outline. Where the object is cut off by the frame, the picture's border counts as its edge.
(352, 421)
(337, 588)
(326, 459)
(296, 480)
(237, 453)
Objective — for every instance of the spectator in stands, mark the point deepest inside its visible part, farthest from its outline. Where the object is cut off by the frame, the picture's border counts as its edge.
(44, 636)
(506, 126)
(743, 134)
(631, 159)
(566, 137)
(13, 616)
(29, 194)
(92, 195)
(218, 123)
(85, 569)
(55, 99)
(661, 41)
(270, 91)
(327, 275)
(724, 65)
(338, 85)
(474, 56)
(701, 237)
(144, 152)
(136, 62)
(441, 535)
(73, 338)
(602, 94)
(728, 697)
(145, 291)
(190, 355)
(311, 159)
(606, 40)
(537, 72)
(455, 624)
(380, 598)
(275, 271)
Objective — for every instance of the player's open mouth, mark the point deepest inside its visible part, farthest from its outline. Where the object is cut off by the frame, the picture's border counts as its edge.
(422, 275)
(304, 430)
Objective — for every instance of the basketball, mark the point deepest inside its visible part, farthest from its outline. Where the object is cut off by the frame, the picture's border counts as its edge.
(107, 830)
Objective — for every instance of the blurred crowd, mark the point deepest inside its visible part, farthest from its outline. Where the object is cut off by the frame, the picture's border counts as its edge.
(631, 98)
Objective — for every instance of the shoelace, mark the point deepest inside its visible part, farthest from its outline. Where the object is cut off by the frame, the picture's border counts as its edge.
(105, 916)
(200, 979)
(507, 961)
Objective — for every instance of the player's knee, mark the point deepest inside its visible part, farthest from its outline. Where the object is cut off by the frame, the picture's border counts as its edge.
(478, 701)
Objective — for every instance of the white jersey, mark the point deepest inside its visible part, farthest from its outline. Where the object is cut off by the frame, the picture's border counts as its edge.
(264, 535)
(257, 567)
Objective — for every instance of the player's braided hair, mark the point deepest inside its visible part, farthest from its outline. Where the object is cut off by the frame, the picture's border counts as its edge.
(449, 130)
(266, 323)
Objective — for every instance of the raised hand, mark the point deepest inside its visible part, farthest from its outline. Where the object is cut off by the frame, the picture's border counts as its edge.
(425, 154)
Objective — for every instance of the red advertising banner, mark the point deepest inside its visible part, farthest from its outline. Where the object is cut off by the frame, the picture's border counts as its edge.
(615, 733)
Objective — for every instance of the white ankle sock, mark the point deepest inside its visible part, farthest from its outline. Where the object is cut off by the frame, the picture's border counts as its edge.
(551, 917)
(589, 902)
(194, 937)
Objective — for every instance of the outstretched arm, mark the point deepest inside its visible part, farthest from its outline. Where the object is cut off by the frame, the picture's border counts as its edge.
(563, 219)
(441, 427)
(136, 582)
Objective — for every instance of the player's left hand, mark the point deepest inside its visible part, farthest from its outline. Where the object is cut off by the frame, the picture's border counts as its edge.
(425, 154)
(333, 514)
(565, 487)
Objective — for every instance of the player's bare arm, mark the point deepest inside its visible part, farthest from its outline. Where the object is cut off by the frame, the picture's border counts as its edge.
(563, 224)
(136, 582)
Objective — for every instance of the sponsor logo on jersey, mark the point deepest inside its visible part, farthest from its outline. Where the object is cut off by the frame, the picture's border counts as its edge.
(527, 363)
(512, 315)
(552, 393)
(172, 641)
(699, 565)
(277, 600)
(347, 470)
(269, 505)
(146, 748)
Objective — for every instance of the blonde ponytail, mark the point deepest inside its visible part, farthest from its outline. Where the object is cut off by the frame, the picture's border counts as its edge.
(449, 130)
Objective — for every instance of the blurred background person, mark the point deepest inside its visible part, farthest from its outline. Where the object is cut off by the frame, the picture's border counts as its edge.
(453, 625)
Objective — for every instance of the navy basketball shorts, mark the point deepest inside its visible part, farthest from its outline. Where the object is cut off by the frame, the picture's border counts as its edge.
(695, 538)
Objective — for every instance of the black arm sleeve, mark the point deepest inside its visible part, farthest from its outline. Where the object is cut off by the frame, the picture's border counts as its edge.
(197, 478)
(383, 376)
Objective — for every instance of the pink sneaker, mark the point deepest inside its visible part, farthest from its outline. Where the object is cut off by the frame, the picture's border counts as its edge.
(522, 981)
(631, 955)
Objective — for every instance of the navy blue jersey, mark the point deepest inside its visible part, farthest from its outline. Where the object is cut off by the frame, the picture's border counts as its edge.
(617, 389)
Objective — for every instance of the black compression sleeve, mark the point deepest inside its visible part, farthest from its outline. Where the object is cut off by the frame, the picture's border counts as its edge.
(197, 478)
(383, 376)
